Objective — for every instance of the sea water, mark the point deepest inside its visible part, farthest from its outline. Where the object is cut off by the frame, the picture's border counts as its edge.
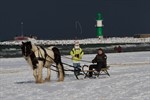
(15, 50)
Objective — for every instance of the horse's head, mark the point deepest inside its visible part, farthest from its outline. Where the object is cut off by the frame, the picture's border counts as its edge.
(26, 48)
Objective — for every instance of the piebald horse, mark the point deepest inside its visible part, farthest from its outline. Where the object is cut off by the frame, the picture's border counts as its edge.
(39, 57)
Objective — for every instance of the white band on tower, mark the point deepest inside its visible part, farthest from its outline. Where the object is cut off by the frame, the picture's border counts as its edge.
(99, 23)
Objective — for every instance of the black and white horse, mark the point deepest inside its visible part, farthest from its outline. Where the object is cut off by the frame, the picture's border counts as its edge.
(39, 57)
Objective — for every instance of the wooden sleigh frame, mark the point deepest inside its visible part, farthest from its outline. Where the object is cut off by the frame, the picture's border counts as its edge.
(85, 72)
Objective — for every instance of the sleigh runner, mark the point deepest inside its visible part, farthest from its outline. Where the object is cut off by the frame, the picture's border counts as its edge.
(85, 72)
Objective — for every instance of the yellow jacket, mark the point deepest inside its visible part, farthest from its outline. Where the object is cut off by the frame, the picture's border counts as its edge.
(76, 54)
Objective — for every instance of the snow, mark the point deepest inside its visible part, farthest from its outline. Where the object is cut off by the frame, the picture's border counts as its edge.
(129, 80)
(84, 41)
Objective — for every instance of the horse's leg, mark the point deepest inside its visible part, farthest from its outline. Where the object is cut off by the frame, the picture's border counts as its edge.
(57, 60)
(40, 67)
(35, 74)
(48, 74)
(60, 70)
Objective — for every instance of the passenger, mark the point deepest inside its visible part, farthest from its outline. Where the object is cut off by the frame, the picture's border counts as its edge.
(100, 59)
(76, 54)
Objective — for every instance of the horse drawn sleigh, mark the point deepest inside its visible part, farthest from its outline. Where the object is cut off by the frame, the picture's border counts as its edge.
(39, 57)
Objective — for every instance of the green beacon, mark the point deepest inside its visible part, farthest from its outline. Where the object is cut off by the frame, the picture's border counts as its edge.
(99, 26)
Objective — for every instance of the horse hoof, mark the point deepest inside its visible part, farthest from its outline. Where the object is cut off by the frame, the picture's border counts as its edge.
(47, 79)
(39, 82)
(60, 80)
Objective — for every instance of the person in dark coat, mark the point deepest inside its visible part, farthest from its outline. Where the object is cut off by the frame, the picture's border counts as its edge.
(100, 60)
(119, 49)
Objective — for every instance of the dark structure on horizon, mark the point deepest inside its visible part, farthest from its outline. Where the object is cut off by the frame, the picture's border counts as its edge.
(141, 35)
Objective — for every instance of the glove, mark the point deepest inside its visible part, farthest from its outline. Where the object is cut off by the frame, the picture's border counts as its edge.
(77, 55)
(92, 61)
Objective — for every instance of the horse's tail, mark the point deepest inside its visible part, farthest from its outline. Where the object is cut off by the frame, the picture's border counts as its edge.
(57, 59)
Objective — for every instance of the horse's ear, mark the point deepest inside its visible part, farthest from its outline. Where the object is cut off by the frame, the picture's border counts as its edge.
(22, 42)
(29, 44)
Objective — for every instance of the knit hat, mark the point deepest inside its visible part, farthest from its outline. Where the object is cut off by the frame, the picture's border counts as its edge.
(76, 45)
(101, 50)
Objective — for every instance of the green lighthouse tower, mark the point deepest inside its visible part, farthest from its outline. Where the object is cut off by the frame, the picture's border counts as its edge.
(99, 25)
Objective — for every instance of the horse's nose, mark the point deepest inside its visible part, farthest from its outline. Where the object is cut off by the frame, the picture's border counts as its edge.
(26, 54)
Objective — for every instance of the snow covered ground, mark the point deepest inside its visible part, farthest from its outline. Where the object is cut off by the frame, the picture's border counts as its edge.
(129, 80)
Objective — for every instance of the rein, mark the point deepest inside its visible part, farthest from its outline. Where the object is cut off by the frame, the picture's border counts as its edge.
(80, 60)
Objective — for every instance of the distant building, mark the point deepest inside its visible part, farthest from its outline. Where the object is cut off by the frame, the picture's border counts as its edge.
(25, 37)
(141, 35)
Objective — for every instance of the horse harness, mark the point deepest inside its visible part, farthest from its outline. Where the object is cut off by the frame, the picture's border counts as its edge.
(35, 59)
